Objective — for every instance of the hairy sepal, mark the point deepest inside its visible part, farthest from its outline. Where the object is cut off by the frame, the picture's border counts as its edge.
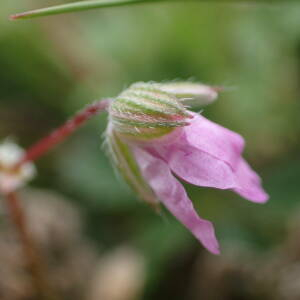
(144, 111)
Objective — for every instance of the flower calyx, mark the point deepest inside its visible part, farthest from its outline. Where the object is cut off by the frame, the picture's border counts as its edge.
(146, 111)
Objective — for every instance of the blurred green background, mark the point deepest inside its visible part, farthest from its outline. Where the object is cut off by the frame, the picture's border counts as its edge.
(51, 67)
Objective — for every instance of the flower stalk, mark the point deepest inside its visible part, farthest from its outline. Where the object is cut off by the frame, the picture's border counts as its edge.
(61, 133)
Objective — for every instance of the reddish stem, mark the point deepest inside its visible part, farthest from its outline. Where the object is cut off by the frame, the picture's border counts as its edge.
(61, 133)
(34, 263)
(14, 208)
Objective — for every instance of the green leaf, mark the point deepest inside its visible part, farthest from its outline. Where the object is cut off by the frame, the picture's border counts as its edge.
(76, 6)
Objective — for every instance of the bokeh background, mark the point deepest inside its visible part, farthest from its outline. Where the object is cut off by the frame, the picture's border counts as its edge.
(98, 240)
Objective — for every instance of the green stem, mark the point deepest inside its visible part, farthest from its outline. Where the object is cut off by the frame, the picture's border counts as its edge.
(77, 6)
(92, 4)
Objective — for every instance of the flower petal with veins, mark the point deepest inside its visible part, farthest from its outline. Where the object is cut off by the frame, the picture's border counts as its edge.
(173, 196)
(249, 184)
(207, 154)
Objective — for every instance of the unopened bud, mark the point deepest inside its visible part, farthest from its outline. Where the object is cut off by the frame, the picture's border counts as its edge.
(11, 178)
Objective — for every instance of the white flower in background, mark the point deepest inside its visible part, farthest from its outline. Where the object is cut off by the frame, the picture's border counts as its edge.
(10, 177)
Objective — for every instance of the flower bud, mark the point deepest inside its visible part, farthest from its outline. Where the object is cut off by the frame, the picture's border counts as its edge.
(11, 178)
(194, 94)
(146, 111)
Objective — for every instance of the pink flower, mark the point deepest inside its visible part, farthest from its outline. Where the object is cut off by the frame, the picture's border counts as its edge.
(199, 152)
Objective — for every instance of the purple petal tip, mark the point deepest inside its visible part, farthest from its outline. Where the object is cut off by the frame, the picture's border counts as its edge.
(214, 249)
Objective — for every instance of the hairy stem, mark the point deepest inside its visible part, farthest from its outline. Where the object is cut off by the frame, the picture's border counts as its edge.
(34, 263)
(61, 133)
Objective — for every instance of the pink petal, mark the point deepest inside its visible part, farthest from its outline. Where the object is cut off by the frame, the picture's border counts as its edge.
(174, 197)
(206, 154)
(215, 140)
(249, 184)
(195, 166)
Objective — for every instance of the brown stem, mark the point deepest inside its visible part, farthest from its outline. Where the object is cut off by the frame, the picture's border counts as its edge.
(61, 133)
(35, 266)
